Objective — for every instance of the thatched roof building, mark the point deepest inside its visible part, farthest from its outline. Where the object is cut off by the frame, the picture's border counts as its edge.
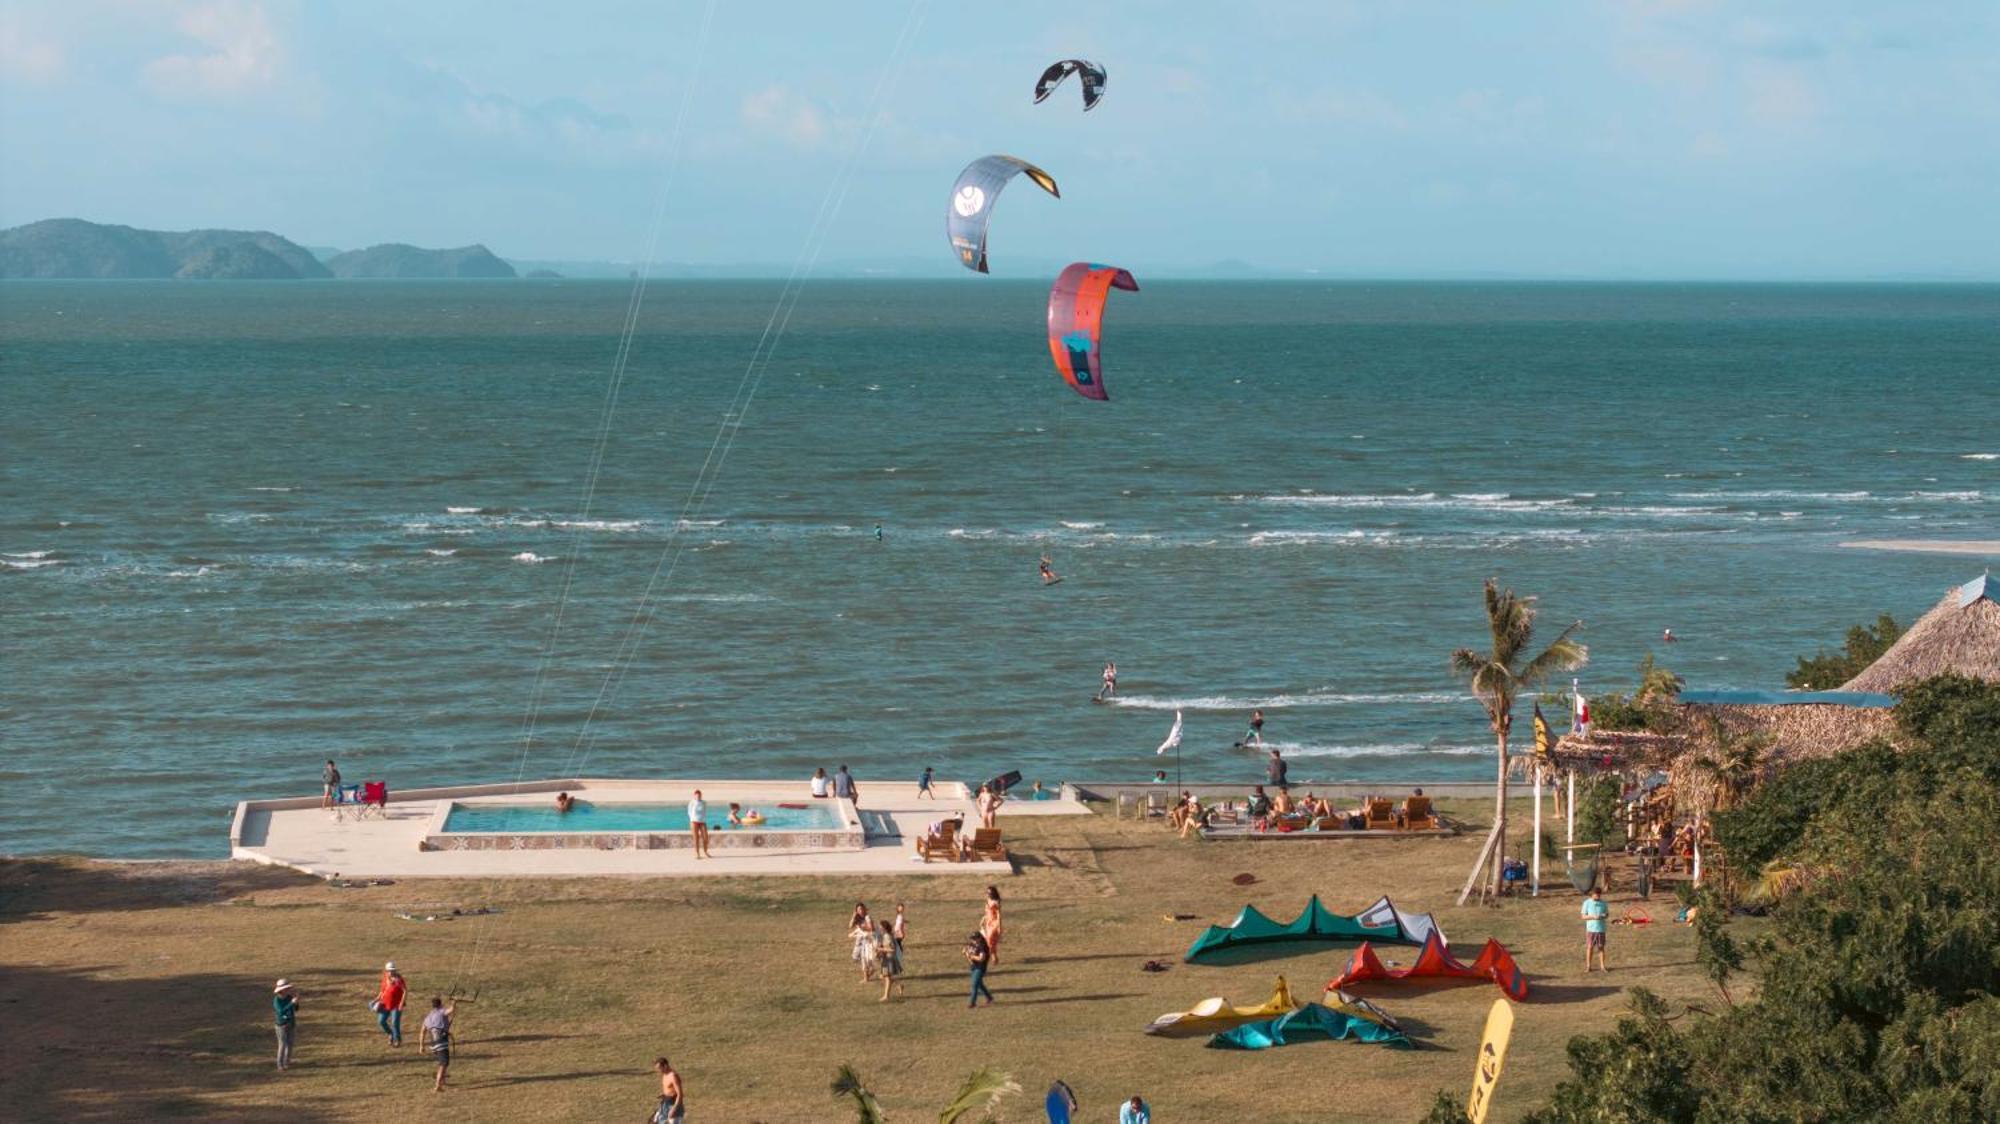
(1960, 636)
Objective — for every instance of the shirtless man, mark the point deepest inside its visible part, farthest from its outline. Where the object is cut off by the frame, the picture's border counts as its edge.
(1110, 687)
(673, 1098)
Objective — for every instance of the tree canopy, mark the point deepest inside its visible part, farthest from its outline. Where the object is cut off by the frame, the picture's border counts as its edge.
(1878, 991)
(1828, 670)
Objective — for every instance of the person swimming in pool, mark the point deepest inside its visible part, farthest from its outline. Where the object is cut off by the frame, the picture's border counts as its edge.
(564, 802)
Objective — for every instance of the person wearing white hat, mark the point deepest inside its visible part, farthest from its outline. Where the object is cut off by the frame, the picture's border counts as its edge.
(388, 1004)
(285, 1004)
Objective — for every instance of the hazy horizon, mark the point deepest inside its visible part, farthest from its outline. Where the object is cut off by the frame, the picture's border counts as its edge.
(1677, 141)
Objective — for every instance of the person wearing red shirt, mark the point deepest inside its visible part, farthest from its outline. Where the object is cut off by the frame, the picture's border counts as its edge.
(389, 1004)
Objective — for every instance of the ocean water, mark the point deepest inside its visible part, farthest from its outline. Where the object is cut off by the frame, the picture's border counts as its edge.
(244, 528)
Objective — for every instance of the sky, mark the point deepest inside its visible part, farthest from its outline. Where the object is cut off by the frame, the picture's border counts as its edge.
(1637, 140)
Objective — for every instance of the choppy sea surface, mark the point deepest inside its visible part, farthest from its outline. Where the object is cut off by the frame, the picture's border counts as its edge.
(247, 527)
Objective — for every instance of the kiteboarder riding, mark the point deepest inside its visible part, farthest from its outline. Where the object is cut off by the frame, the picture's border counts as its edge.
(1048, 572)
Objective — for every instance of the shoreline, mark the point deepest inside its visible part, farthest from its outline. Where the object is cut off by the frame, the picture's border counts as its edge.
(1976, 547)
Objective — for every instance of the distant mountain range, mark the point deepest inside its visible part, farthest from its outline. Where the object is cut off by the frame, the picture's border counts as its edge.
(67, 248)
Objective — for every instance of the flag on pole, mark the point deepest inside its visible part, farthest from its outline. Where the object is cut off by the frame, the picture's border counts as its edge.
(1582, 720)
(1173, 736)
(1544, 741)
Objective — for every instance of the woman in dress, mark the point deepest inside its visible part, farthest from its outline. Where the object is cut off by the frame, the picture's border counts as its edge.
(861, 931)
(989, 926)
(888, 961)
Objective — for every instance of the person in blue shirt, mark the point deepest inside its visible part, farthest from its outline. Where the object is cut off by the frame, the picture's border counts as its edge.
(1594, 914)
(285, 1005)
(1135, 1111)
(924, 784)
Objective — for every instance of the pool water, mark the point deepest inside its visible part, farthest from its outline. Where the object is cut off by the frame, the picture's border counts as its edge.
(588, 817)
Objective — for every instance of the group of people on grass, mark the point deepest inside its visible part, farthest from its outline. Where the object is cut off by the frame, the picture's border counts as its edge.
(878, 947)
(434, 1039)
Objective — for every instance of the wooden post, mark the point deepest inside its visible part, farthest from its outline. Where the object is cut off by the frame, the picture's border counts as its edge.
(1479, 864)
(1571, 803)
(1535, 871)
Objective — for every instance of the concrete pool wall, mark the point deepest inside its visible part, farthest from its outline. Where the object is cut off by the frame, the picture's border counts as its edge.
(849, 835)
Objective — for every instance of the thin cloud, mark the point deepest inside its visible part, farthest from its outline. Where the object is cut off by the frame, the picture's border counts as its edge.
(245, 52)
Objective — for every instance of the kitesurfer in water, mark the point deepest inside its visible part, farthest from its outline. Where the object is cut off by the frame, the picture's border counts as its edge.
(1256, 734)
(1110, 687)
(878, 532)
(1048, 572)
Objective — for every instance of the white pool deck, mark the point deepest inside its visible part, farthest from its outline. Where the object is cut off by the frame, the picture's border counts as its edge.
(296, 832)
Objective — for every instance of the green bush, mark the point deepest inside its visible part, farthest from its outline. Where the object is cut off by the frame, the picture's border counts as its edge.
(1878, 981)
(1828, 670)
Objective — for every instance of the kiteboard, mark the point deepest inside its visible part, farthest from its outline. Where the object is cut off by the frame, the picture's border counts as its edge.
(1057, 581)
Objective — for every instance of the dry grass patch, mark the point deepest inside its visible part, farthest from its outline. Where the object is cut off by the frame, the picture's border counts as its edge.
(141, 992)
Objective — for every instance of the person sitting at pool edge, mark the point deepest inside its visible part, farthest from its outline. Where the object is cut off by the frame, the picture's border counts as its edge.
(821, 787)
(564, 802)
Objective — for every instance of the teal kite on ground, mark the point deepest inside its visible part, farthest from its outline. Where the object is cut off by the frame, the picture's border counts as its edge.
(1348, 1017)
(1381, 923)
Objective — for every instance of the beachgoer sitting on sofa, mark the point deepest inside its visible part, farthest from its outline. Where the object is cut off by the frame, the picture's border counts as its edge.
(1260, 804)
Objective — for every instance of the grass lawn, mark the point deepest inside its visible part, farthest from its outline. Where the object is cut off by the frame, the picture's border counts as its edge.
(142, 992)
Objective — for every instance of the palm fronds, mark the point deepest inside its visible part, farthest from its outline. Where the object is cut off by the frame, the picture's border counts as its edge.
(982, 1090)
(847, 1083)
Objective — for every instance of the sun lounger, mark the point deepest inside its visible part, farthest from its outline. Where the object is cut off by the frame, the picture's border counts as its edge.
(1378, 814)
(943, 844)
(1417, 814)
(986, 845)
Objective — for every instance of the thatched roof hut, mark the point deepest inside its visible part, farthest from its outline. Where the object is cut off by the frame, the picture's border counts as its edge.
(1960, 636)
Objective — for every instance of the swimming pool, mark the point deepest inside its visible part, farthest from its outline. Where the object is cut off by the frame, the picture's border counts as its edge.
(590, 817)
(628, 821)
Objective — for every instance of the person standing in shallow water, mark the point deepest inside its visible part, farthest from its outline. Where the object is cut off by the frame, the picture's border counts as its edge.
(329, 783)
(1274, 773)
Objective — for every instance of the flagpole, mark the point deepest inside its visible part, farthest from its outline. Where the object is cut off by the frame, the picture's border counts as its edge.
(1535, 872)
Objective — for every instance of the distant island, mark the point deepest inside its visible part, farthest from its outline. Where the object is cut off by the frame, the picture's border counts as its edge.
(73, 248)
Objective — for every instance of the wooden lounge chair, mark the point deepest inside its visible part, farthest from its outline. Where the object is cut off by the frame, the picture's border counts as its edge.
(1378, 814)
(1417, 814)
(986, 845)
(944, 844)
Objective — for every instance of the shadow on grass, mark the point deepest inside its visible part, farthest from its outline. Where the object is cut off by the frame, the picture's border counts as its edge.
(638, 1076)
(1138, 956)
(1568, 993)
(520, 1038)
(75, 1045)
(33, 888)
(1099, 998)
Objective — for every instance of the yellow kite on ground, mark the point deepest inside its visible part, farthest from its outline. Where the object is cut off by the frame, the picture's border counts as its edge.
(1213, 1016)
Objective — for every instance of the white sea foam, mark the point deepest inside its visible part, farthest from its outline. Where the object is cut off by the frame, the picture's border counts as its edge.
(531, 557)
(1980, 457)
(25, 554)
(29, 563)
(1081, 526)
(1248, 703)
(1457, 501)
(601, 524)
(684, 524)
(270, 489)
(436, 552)
(962, 533)
(718, 598)
(463, 510)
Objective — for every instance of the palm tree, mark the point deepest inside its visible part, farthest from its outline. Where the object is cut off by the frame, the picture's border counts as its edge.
(847, 1083)
(1500, 675)
(982, 1090)
(1656, 683)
